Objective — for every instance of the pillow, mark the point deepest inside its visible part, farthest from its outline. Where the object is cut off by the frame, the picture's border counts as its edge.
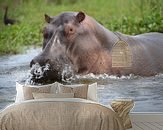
(55, 88)
(80, 91)
(21, 91)
(50, 95)
(29, 90)
(19, 94)
(91, 93)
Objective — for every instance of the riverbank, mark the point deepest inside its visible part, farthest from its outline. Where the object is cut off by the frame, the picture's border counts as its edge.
(129, 17)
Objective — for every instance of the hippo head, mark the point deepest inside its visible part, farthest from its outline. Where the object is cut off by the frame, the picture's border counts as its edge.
(70, 40)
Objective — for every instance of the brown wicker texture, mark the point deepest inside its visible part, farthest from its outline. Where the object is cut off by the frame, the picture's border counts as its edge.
(121, 55)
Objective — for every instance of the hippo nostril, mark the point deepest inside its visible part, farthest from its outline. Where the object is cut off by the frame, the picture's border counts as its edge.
(32, 63)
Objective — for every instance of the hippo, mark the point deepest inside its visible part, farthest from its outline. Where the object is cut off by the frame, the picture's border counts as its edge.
(78, 41)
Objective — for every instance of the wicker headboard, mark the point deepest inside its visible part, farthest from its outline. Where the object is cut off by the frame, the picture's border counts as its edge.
(121, 55)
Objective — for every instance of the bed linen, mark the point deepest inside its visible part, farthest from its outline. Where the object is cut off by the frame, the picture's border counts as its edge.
(59, 114)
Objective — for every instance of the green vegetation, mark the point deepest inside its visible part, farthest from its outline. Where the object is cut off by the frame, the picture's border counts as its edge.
(126, 16)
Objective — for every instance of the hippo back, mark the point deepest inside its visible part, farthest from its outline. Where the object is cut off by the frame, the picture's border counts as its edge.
(147, 53)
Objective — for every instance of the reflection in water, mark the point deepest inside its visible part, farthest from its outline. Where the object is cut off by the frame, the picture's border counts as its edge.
(146, 91)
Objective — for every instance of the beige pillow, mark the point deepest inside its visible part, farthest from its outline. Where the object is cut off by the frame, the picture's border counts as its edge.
(53, 86)
(21, 90)
(91, 93)
(80, 91)
(29, 90)
(50, 95)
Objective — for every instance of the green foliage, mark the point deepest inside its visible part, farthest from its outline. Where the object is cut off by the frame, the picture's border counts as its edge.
(128, 25)
(13, 38)
(126, 16)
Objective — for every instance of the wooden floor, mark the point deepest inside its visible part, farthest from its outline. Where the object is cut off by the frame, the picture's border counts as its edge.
(147, 121)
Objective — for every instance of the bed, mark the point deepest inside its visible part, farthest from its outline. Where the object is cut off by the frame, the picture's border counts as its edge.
(64, 113)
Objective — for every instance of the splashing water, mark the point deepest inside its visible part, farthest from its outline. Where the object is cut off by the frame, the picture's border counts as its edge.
(101, 78)
(104, 76)
(28, 79)
(37, 72)
(67, 74)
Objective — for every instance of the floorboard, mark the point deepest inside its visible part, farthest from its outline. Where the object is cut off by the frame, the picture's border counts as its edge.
(147, 121)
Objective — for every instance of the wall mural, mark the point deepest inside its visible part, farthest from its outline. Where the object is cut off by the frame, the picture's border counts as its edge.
(117, 47)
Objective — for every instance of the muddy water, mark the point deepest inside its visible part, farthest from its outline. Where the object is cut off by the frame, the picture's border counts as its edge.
(147, 92)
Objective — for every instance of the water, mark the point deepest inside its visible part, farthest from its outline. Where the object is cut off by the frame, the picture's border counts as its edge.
(13, 68)
(147, 92)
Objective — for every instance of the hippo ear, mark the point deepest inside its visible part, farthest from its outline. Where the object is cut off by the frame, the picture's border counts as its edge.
(80, 17)
(48, 19)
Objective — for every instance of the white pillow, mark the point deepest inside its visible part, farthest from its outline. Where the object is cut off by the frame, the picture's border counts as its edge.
(20, 91)
(92, 92)
(19, 94)
(51, 95)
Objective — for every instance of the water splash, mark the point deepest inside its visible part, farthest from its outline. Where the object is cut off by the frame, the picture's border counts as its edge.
(67, 73)
(39, 71)
(105, 76)
(36, 72)
(28, 79)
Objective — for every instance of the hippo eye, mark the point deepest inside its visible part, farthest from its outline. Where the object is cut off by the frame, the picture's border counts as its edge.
(71, 31)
